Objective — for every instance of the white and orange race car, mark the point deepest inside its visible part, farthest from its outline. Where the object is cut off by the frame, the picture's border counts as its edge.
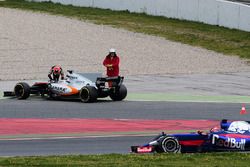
(75, 86)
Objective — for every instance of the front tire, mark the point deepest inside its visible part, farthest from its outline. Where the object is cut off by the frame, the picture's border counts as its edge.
(22, 90)
(119, 94)
(170, 145)
(88, 94)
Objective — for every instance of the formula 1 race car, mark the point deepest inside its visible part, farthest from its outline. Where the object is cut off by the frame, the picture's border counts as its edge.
(231, 136)
(75, 86)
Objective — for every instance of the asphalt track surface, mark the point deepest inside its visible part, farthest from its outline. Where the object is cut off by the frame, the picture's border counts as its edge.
(103, 145)
(37, 108)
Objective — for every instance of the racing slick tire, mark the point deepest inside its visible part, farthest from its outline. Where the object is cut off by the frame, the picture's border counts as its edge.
(119, 94)
(22, 90)
(88, 94)
(169, 144)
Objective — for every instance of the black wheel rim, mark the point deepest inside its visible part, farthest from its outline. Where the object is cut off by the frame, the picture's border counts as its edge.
(85, 95)
(170, 146)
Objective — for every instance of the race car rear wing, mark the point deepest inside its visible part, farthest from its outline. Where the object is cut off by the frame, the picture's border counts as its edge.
(116, 81)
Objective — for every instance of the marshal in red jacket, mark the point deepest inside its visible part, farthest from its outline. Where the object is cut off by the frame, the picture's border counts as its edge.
(112, 65)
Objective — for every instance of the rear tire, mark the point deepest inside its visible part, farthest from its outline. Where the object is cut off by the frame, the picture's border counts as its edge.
(22, 90)
(119, 94)
(170, 144)
(88, 94)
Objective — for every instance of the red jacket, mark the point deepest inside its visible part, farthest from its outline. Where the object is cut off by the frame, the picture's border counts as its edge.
(114, 69)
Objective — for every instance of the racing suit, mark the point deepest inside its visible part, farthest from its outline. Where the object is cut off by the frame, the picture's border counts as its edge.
(55, 77)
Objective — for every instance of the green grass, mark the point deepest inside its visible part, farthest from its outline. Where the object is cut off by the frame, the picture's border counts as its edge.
(118, 160)
(223, 40)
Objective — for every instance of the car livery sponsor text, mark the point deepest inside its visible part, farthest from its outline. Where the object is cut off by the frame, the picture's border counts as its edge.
(228, 142)
(59, 89)
(147, 149)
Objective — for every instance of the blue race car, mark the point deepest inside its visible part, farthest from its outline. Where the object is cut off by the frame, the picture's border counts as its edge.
(231, 136)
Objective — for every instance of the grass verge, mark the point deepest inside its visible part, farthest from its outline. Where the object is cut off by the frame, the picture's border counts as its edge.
(219, 39)
(157, 160)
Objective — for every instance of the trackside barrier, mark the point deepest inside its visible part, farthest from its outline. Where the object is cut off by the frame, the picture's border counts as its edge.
(214, 12)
